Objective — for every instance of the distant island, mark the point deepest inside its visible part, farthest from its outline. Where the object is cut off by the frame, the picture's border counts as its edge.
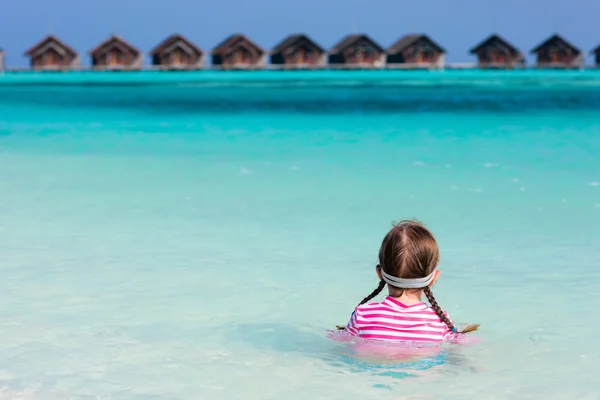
(299, 52)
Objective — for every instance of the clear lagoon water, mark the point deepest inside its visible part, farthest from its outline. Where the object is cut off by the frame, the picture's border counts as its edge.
(195, 235)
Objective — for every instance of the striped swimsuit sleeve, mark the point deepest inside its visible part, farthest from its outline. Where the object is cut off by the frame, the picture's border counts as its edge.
(352, 328)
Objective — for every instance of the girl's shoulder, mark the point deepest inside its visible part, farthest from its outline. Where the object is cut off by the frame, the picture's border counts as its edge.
(372, 306)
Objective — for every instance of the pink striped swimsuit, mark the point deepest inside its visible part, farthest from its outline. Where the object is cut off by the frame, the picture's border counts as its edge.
(392, 320)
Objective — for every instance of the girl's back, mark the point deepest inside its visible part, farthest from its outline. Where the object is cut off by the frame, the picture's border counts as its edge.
(393, 320)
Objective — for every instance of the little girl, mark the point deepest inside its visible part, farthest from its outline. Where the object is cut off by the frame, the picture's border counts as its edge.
(408, 258)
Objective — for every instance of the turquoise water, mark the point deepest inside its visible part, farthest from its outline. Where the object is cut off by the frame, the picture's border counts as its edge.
(186, 236)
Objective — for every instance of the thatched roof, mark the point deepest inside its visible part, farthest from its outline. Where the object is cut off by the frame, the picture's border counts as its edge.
(290, 40)
(491, 39)
(408, 40)
(165, 44)
(226, 45)
(114, 39)
(351, 40)
(552, 39)
(50, 39)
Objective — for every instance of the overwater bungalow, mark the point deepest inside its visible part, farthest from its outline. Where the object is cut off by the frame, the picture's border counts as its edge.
(556, 52)
(596, 53)
(177, 52)
(356, 51)
(415, 51)
(116, 54)
(298, 51)
(238, 52)
(1, 60)
(495, 52)
(52, 54)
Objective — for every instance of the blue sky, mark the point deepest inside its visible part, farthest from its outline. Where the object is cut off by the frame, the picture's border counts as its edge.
(456, 24)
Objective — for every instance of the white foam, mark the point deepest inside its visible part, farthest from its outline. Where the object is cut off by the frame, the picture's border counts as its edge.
(418, 163)
(26, 394)
(594, 183)
(491, 165)
(245, 171)
(295, 168)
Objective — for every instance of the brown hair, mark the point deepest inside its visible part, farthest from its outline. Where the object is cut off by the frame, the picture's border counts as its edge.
(410, 251)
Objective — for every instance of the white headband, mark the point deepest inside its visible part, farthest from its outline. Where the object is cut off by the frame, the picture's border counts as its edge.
(402, 283)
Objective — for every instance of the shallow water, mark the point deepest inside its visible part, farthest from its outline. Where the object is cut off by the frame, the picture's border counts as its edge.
(184, 241)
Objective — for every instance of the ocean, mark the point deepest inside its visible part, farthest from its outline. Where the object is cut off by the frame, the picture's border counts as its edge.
(196, 235)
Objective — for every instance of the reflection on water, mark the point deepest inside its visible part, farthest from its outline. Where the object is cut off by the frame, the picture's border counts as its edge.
(348, 355)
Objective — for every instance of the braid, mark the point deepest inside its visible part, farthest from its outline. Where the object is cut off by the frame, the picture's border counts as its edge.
(373, 293)
(366, 299)
(438, 310)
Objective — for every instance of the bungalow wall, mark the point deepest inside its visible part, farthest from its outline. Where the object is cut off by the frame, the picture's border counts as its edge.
(2, 61)
(116, 58)
(419, 53)
(497, 56)
(242, 58)
(559, 57)
(357, 58)
(50, 58)
(409, 59)
(178, 59)
(303, 57)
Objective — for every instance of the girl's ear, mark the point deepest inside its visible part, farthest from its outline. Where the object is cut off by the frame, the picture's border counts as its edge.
(378, 270)
(436, 275)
